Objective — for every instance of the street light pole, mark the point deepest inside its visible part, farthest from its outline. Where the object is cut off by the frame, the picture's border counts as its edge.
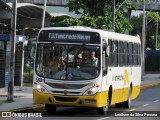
(113, 15)
(157, 31)
(143, 40)
(12, 51)
(44, 11)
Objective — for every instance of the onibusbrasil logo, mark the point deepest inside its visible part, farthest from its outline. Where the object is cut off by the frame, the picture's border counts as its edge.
(13, 114)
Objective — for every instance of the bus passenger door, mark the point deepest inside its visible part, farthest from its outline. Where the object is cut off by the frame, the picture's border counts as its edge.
(105, 54)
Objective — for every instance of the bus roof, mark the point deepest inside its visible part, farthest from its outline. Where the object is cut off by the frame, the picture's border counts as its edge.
(103, 33)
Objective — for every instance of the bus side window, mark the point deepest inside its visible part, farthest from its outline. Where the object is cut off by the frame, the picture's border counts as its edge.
(139, 54)
(125, 53)
(115, 53)
(130, 54)
(110, 52)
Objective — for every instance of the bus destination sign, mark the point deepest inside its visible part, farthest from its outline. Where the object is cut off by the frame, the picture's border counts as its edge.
(67, 36)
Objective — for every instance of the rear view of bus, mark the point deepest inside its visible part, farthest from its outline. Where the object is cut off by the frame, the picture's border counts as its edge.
(71, 69)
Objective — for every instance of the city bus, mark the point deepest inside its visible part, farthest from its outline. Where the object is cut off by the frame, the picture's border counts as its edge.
(81, 66)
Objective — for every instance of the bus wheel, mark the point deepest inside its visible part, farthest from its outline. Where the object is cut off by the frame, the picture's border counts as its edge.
(103, 110)
(118, 105)
(50, 108)
(127, 104)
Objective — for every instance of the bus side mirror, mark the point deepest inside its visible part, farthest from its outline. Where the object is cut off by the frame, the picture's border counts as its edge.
(107, 50)
(104, 61)
(33, 52)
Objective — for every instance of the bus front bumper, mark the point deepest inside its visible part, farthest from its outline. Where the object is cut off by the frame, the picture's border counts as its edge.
(97, 100)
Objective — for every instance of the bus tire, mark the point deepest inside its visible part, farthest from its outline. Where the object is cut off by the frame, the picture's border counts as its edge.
(127, 104)
(103, 110)
(50, 108)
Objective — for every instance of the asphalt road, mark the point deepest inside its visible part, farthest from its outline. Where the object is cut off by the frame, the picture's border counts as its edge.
(147, 103)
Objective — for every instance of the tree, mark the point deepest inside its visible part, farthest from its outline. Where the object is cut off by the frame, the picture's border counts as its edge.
(151, 23)
(151, 29)
(136, 22)
(57, 20)
(98, 14)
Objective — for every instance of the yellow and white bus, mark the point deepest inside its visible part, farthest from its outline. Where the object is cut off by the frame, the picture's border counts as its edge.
(81, 66)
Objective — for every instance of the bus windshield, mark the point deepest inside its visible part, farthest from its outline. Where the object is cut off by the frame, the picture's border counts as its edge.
(67, 62)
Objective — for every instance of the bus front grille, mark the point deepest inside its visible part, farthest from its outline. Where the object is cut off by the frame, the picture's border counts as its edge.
(62, 92)
(65, 99)
(66, 86)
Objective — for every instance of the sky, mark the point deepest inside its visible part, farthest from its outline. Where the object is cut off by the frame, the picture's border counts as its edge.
(136, 12)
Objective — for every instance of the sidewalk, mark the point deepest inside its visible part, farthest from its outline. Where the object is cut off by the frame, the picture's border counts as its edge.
(23, 98)
(150, 79)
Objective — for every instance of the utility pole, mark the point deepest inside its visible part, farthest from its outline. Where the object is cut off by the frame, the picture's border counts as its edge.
(12, 50)
(157, 30)
(143, 40)
(44, 13)
(113, 15)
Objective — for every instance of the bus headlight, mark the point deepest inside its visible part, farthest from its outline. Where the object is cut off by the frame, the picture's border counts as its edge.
(40, 88)
(92, 90)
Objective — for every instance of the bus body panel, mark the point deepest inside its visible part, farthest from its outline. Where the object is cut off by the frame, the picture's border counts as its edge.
(121, 80)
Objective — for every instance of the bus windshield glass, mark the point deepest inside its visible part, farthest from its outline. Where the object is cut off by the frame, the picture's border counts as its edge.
(68, 62)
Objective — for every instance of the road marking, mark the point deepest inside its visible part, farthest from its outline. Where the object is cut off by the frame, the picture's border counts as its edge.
(132, 110)
(103, 118)
(156, 101)
(146, 105)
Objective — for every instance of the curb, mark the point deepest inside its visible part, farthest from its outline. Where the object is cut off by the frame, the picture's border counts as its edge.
(25, 109)
(150, 85)
(34, 108)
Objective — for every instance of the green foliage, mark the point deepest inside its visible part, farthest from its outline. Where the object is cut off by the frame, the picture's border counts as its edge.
(97, 14)
(136, 22)
(28, 77)
(58, 21)
(151, 24)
